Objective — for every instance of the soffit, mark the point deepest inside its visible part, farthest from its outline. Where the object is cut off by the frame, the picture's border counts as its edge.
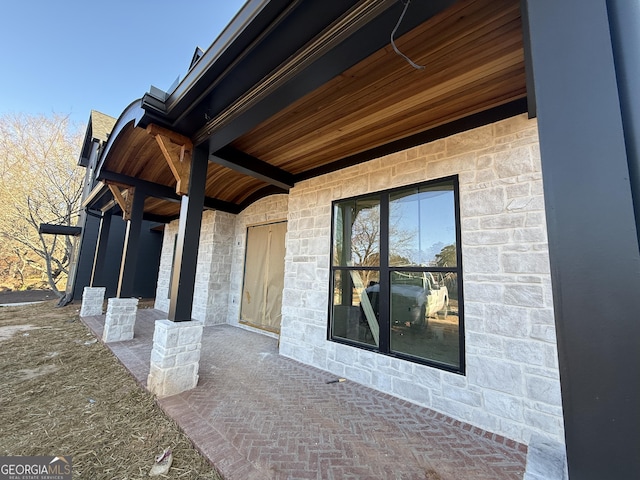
(474, 61)
(473, 53)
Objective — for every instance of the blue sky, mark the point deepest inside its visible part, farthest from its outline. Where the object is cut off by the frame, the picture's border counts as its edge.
(72, 56)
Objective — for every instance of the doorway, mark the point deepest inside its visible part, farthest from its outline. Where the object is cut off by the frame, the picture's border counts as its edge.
(264, 276)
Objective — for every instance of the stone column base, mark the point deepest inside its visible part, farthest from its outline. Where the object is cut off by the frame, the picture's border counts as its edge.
(175, 357)
(92, 300)
(546, 460)
(120, 319)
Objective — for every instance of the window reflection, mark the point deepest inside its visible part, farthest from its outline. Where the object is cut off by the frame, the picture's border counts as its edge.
(357, 233)
(356, 306)
(424, 316)
(422, 227)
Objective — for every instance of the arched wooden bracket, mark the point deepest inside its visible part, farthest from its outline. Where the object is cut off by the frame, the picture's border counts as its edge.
(124, 199)
(177, 150)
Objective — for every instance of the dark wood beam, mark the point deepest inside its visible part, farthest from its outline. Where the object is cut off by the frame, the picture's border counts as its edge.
(48, 228)
(159, 218)
(164, 192)
(254, 167)
(467, 123)
(150, 189)
(263, 192)
(223, 206)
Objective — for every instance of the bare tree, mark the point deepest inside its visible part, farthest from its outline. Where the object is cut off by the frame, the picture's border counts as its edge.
(39, 183)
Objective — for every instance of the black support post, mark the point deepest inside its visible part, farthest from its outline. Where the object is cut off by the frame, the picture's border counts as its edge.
(625, 30)
(131, 245)
(593, 245)
(186, 254)
(97, 273)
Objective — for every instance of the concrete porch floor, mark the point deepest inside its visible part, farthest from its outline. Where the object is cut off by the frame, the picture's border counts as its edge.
(258, 415)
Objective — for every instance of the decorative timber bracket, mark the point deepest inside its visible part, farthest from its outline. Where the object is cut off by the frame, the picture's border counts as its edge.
(177, 150)
(124, 199)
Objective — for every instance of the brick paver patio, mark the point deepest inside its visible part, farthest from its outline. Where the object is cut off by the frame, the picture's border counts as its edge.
(258, 415)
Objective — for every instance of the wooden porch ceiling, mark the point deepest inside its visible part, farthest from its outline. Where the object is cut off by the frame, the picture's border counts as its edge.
(474, 59)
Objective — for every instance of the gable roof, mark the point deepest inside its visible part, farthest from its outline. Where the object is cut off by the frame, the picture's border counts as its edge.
(99, 128)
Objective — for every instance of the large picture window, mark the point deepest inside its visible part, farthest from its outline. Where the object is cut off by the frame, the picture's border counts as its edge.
(396, 283)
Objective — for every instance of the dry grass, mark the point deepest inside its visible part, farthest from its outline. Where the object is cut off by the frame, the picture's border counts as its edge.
(63, 394)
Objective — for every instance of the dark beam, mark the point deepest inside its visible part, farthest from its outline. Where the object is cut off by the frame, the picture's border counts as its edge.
(593, 246)
(159, 218)
(50, 229)
(164, 192)
(98, 278)
(186, 252)
(263, 192)
(223, 206)
(248, 165)
(150, 189)
(131, 246)
(467, 123)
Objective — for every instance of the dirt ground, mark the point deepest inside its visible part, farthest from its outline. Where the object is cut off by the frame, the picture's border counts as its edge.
(64, 393)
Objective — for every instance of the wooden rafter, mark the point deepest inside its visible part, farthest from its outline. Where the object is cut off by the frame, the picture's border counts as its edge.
(179, 162)
(124, 198)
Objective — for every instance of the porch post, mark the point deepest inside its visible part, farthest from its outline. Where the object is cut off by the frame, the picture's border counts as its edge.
(130, 249)
(177, 341)
(97, 273)
(625, 31)
(593, 243)
(186, 254)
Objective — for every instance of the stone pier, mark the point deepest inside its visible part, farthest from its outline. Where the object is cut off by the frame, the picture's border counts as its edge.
(120, 320)
(175, 357)
(92, 300)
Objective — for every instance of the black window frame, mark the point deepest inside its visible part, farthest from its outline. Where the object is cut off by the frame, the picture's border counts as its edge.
(385, 277)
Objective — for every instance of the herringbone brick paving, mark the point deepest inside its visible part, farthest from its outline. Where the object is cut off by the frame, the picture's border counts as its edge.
(258, 415)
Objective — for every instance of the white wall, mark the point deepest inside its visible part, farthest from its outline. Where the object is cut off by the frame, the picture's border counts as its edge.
(511, 386)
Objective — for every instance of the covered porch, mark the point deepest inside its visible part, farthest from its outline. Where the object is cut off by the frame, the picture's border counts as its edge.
(256, 414)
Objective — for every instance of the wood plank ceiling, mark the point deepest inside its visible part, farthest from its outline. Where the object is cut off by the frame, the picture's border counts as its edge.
(474, 61)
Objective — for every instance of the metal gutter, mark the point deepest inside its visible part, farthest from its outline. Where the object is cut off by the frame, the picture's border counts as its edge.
(231, 32)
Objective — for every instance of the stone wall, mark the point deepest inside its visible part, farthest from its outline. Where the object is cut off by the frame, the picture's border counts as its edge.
(211, 296)
(511, 386)
(266, 210)
(166, 261)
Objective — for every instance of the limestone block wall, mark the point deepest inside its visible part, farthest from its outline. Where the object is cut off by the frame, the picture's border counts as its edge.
(211, 296)
(511, 386)
(166, 261)
(266, 210)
